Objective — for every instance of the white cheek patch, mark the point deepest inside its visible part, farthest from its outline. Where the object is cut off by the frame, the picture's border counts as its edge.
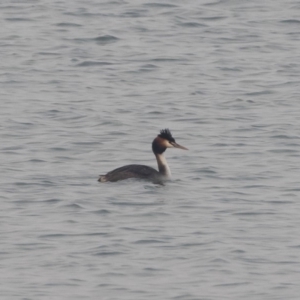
(169, 145)
(165, 144)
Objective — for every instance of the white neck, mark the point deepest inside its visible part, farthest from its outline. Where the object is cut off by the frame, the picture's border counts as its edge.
(163, 165)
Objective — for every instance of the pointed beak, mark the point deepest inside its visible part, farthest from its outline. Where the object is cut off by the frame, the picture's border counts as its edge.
(178, 146)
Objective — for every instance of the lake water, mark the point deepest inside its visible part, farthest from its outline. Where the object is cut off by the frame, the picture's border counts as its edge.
(86, 86)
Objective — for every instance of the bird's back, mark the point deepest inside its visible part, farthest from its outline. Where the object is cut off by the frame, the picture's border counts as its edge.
(131, 171)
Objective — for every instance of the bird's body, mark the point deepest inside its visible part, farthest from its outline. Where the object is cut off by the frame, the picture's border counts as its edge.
(131, 171)
(163, 141)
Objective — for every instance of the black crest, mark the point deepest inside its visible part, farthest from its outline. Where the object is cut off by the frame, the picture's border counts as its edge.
(166, 134)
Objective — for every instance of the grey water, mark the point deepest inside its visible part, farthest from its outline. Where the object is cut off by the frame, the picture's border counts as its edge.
(85, 88)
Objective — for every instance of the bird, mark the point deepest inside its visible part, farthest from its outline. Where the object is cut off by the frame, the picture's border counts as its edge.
(160, 144)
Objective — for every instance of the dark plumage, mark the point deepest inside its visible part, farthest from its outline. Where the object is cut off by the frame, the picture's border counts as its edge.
(166, 134)
(131, 171)
(159, 145)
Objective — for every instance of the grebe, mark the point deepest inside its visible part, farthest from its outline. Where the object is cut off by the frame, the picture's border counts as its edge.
(159, 145)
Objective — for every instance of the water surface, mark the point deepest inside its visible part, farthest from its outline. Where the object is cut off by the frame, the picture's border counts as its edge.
(86, 86)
